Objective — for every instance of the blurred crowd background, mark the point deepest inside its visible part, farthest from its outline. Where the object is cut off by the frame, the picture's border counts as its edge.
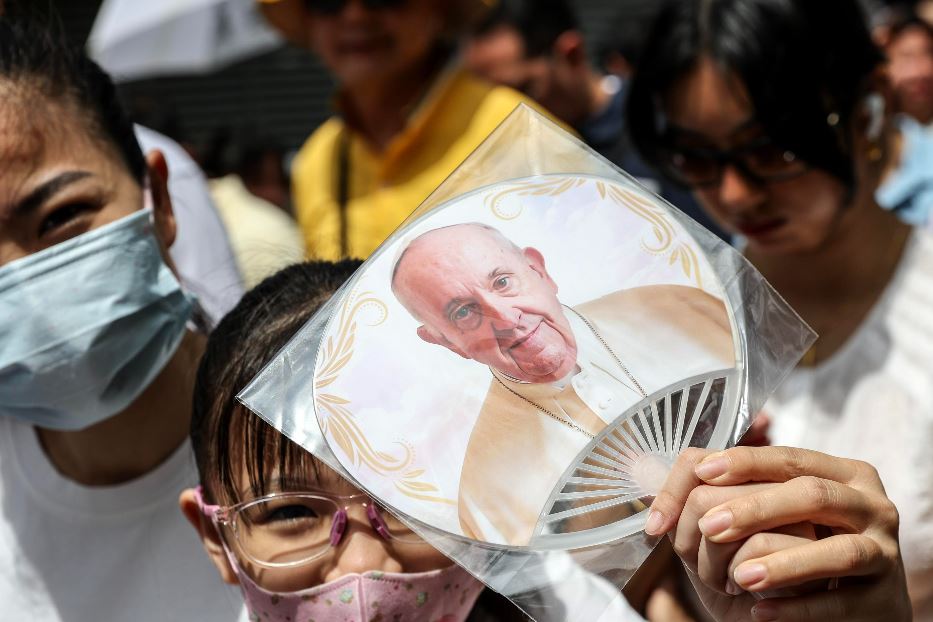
(802, 132)
(286, 93)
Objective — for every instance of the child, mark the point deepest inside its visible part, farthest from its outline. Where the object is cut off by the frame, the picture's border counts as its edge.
(300, 540)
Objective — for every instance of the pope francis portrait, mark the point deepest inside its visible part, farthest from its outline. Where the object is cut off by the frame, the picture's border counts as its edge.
(558, 374)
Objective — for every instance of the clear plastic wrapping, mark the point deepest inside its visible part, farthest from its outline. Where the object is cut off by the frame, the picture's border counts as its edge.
(517, 366)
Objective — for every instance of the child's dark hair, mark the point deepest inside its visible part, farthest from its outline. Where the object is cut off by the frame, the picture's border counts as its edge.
(802, 62)
(36, 60)
(225, 434)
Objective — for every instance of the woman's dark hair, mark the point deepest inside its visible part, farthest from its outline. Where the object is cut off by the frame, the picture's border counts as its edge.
(225, 434)
(802, 62)
(35, 60)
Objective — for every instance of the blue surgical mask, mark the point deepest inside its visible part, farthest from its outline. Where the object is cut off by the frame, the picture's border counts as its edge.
(87, 325)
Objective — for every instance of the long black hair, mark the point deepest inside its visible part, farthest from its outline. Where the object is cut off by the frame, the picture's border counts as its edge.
(36, 61)
(805, 64)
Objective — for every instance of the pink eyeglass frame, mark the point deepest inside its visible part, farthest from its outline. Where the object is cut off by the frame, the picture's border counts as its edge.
(218, 513)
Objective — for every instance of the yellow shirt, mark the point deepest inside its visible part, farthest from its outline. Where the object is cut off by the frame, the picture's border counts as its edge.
(458, 113)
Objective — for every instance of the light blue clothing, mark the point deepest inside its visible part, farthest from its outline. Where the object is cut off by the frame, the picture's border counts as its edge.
(908, 190)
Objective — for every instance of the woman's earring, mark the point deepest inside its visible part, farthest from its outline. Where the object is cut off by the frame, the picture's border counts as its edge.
(874, 106)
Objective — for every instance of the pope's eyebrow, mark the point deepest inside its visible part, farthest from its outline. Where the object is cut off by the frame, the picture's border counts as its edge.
(495, 272)
(45, 191)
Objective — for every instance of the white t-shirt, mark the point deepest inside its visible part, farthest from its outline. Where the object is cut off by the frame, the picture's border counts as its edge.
(873, 401)
(71, 553)
(201, 251)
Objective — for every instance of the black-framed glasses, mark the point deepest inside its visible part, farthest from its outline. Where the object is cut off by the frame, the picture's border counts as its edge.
(333, 7)
(760, 161)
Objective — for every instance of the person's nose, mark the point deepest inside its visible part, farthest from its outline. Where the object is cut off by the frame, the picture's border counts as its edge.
(737, 192)
(361, 549)
(501, 313)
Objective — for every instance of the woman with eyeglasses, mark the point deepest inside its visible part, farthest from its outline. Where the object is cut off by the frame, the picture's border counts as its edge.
(774, 113)
(301, 542)
(407, 114)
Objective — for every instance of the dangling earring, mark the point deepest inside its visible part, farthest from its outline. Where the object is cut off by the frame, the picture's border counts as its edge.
(874, 106)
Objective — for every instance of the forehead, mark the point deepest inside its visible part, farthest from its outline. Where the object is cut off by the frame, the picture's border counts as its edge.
(911, 38)
(458, 251)
(37, 136)
(448, 262)
(709, 100)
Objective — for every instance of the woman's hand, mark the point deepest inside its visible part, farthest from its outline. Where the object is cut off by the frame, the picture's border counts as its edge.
(752, 528)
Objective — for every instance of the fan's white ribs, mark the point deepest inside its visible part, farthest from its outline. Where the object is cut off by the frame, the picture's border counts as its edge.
(601, 482)
(681, 415)
(592, 507)
(697, 412)
(596, 494)
(627, 445)
(645, 429)
(656, 423)
(614, 454)
(622, 448)
(628, 433)
(668, 415)
(608, 462)
(592, 468)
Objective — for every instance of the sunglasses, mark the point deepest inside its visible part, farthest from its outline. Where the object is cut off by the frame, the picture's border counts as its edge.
(760, 161)
(335, 7)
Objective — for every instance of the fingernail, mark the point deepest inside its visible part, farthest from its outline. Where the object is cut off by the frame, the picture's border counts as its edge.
(764, 612)
(748, 575)
(716, 523)
(712, 467)
(732, 589)
(655, 523)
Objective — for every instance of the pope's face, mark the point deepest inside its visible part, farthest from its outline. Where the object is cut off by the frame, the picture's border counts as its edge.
(487, 300)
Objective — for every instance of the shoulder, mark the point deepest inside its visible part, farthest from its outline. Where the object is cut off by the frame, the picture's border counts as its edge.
(912, 283)
(656, 297)
(321, 145)
(667, 304)
(494, 103)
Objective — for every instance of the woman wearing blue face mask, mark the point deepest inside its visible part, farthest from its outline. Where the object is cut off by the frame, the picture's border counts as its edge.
(97, 356)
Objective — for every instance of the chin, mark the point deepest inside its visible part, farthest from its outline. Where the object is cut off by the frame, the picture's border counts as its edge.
(786, 245)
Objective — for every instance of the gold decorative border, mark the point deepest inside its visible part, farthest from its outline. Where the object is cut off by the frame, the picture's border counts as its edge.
(338, 421)
(665, 240)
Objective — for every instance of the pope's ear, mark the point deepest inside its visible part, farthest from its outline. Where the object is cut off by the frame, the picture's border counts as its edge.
(210, 539)
(536, 262)
(438, 339)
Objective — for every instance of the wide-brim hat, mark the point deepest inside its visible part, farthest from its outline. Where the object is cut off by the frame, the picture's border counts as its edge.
(290, 17)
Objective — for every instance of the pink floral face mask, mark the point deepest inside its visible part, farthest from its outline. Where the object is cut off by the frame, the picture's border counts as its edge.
(445, 595)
